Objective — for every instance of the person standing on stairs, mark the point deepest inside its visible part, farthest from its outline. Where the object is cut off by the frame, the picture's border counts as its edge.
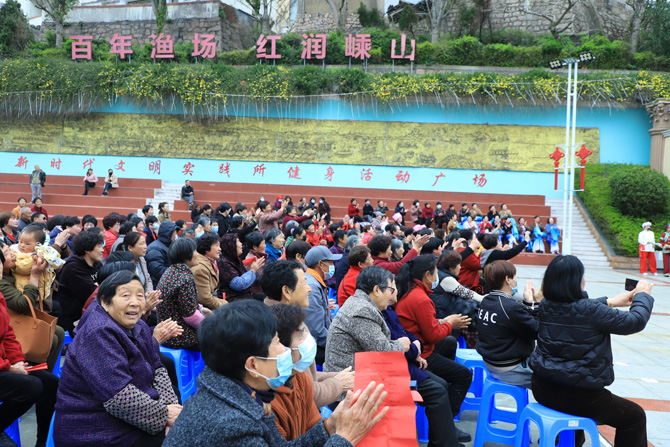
(647, 243)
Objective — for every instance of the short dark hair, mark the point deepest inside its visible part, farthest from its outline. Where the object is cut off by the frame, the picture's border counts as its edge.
(180, 222)
(263, 204)
(87, 241)
(206, 207)
(54, 221)
(440, 233)
(352, 200)
(295, 248)
(120, 255)
(89, 218)
(463, 204)
(223, 206)
(112, 267)
(289, 318)
(562, 280)
(338, 235)
(70, 221)
(110, 220)
(150, 220)
(392, 228)
(146, 208)
(254, 239)
(357, 255)
(239, 206)
(131, 239)
(127, 227)
(235, 332)
(34, 216)
(490, 241)
(307, 223)
(373, 276)
(107, 289)
(496, 272)
(19, 199)
(278, 274)
(236, 221)
(433, 243)
(204, 243)
(466, 233)
(181, 250)
(449, 260)
(5, 217)
(379, 244)
(36, 231)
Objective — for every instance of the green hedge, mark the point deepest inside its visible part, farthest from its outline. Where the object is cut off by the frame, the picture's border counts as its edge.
(620, 230)
(508, 50)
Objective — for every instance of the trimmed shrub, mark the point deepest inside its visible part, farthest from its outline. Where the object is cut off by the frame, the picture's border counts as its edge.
(466, 50)
(639, 191)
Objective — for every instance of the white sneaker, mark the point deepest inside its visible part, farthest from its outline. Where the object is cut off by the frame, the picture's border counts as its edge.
(655, 274)
(645, 274)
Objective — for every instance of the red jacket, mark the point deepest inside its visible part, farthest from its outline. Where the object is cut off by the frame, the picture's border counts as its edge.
(110, 238)
(470, 267)
(10, 348)
(427, 212)
(417, 315)
(288, 218)
(313, 238)
(394, 267)
(352, 210)
(348, 285)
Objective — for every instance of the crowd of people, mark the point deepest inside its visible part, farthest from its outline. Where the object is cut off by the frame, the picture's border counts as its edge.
(279, 299)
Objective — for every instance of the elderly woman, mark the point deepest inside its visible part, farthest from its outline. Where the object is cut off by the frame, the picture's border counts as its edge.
(114, 391)
(206, 271)
(245, 364)
(284, 282)
(20, 389)
(136, 243)
(274, 245)
(180, 294)
(573, 363)
(293, 406)
(367, 323)
(234, 279)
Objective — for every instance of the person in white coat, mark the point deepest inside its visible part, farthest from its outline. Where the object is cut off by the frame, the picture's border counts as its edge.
(647, 242)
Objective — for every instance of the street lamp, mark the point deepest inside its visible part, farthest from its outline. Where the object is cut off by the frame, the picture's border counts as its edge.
(570, 135)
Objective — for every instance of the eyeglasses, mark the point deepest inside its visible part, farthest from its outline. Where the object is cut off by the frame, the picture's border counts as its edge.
(393, 289)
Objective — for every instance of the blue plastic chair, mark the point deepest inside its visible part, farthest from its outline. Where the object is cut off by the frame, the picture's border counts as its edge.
(462, 343)
(14, 433)
(185, 363)
(58, 369)
(50, 437)
(421, 424)
(471, 359)
(550, 423)
(489, 413)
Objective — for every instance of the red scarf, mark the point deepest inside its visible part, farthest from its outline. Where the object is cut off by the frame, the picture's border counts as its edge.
(214, 265)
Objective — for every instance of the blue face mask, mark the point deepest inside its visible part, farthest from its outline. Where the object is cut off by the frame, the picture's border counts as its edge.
(215, 229)
(307, 351)
(284, 368)
(198, 234)
(156, 225)
(515, 289)
(329, 274)
(434, 285)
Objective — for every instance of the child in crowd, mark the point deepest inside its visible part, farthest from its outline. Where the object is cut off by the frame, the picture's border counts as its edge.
(32, 244)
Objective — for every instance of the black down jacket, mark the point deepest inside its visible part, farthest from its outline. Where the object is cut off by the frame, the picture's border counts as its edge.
(573, 342)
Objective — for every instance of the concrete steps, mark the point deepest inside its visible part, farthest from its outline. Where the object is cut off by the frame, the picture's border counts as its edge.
(584, 243)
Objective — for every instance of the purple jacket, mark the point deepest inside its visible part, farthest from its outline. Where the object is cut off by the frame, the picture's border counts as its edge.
(397, 331)
(102, 360)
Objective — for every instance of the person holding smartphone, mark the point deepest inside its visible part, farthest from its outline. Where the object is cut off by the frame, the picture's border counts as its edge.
(573, 363)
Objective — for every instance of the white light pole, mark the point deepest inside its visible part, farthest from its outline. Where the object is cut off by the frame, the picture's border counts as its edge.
(569, 147)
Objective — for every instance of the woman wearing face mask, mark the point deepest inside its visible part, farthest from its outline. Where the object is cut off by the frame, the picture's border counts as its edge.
(440, 215)
(284, 282)
(506, 341)
(245, 364)
(151, 229)
(111, 181)
(323, 208)
(400, 209)
(416, 279)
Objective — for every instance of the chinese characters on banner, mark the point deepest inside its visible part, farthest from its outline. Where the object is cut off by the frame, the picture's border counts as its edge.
(357, 46)
(162, 46)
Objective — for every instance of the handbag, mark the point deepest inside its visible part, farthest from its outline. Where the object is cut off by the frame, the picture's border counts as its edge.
(35, 332)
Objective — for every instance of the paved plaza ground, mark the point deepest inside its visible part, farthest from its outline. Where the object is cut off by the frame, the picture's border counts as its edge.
(641, 361)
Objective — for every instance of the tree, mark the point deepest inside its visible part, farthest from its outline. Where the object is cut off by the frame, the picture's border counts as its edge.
(262, 10)
(159, 8)
(370, 18)
(339, 13)
(483, 16)
(14, 29)
(437, 12)
(555, 20)
(56, 10)
(408, 18)
(639, 7)
(655, 28)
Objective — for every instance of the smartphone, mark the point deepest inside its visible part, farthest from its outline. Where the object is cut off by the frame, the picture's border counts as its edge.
(631, 284)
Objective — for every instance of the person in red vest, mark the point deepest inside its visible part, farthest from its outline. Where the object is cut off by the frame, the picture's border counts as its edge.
(359, 257)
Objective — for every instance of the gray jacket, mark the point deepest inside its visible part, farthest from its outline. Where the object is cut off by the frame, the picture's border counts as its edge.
(317, 314)
(358, 327)
(221, 413)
